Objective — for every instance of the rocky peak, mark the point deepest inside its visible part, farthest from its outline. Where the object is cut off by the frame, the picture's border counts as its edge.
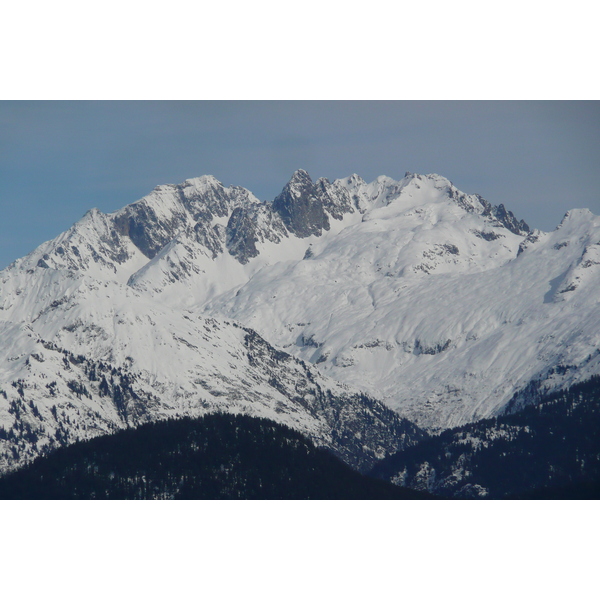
(148, 225)
(203, 182)
(299, 182)
(356, 187)
(300, 207)
(497, 214)
(336, 200)
(152, 222)
(509, 220)
(204, 197)
(576, 215)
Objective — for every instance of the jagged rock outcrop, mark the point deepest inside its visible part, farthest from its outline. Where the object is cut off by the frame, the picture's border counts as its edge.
(300, 208)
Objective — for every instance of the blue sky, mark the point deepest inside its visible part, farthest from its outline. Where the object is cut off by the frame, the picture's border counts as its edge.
(58, 159)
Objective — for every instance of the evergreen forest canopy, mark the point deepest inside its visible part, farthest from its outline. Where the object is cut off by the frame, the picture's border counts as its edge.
(215, 457)
(550, 449)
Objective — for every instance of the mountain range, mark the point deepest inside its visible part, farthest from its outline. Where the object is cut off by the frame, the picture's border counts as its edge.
(366, 316)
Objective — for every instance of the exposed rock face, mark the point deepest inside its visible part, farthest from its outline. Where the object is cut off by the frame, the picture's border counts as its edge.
(336, 200)
(300, 208)
(241, 236)
(504, 217)
(170, 210)
(205, 196)
(210, 236)
(249, 225)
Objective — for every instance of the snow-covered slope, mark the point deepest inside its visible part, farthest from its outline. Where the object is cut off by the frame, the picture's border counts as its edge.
(81, 357)
(439, 303)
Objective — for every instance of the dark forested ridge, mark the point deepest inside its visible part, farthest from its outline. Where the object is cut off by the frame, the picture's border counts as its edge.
(545, 451)
(218, 456)
(550, 450)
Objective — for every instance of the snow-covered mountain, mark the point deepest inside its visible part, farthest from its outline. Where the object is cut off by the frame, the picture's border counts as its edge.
(91, 357)
(200, 297)
(437, 302)
(89, 342)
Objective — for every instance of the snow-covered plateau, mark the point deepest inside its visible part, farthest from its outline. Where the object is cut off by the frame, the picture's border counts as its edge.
(405, 295)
